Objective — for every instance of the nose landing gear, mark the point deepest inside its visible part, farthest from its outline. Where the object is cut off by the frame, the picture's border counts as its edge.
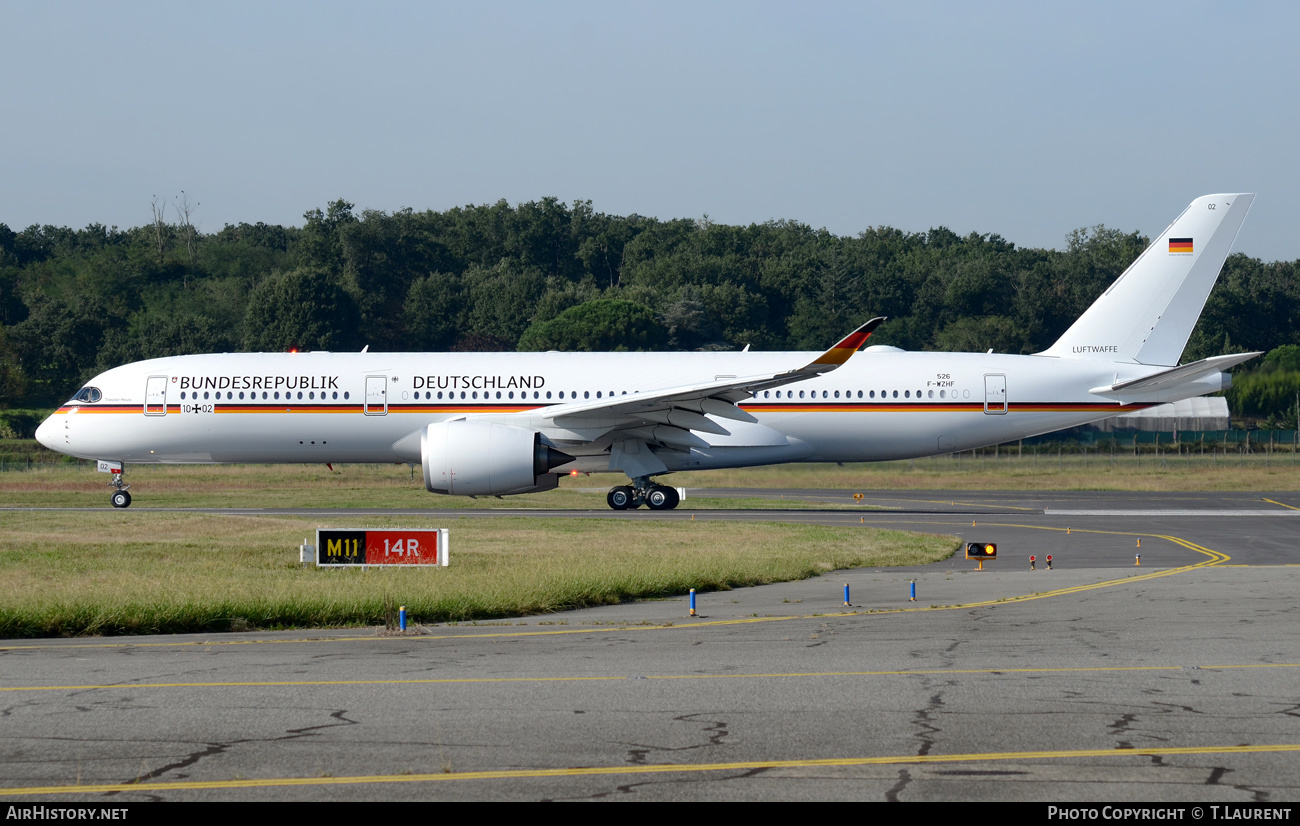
(120, 498)
(641, 492)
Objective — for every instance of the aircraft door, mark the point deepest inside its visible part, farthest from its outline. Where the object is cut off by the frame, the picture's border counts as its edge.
(155, 396)
(376, 395)
(995, 394)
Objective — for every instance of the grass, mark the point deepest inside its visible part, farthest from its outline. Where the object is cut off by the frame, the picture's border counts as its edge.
(118, 572)
(62, 484)
(300, 486)
(124, 572)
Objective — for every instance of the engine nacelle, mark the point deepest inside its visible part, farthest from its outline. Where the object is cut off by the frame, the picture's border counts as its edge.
(477, 458)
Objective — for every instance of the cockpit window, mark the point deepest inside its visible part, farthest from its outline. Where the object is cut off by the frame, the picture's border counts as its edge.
(89, 395)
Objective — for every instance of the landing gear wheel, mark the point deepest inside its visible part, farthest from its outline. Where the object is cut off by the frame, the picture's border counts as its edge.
(620, 498)
(120, 499)
(661, 498)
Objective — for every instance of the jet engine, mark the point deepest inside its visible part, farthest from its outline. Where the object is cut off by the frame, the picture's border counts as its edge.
(478, 458)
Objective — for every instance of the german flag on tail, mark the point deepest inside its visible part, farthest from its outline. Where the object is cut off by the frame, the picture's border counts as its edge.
(1180, 245)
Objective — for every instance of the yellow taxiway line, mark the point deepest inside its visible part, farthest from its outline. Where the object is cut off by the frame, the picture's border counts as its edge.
(660, 768)
(1283, 504)
(625, 677)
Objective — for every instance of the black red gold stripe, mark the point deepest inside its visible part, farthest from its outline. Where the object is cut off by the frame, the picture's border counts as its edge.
(940, 407)
(776, 407)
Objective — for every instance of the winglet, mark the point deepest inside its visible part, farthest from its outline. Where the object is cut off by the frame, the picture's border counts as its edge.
(850, 344)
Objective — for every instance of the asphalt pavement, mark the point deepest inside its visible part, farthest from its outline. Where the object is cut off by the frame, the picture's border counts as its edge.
(1101, 679)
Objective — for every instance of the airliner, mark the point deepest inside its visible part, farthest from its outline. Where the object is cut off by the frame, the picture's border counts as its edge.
(494, 424)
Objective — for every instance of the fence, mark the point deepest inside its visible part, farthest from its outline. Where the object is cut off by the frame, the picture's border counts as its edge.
(1134, 450)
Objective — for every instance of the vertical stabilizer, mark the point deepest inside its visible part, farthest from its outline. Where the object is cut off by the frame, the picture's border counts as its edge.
(1148, 314)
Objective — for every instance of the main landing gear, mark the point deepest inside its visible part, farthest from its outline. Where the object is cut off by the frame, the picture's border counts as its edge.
(120, 498)
(641, 492)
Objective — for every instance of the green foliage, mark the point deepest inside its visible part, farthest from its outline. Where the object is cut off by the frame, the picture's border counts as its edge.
(500, 300)
(433, 311)
(477, 277)
(58, 343)
(155, 335)
(1286, 357)
(1254, 306)
(978, 334)
(1270, 390)
(597, 326)
(1264, 393)
(13, 382)
(303, 309)
(21, 424)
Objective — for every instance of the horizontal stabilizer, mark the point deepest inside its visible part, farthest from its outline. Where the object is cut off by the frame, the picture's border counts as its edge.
(1183, 374)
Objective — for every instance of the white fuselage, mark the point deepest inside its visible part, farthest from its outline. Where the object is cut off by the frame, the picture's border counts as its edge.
(370, 407)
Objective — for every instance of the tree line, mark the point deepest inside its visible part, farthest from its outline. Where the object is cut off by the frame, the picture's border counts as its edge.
(545, 275)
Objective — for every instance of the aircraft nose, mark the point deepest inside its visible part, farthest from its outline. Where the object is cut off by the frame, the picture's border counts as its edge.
(46, 434)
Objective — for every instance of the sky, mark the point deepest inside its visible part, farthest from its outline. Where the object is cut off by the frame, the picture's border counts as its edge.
(1026, 119)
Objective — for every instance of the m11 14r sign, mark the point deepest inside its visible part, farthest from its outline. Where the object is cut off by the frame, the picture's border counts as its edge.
(387, 546)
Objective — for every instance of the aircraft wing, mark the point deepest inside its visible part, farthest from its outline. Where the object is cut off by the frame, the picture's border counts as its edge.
(670, 414)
